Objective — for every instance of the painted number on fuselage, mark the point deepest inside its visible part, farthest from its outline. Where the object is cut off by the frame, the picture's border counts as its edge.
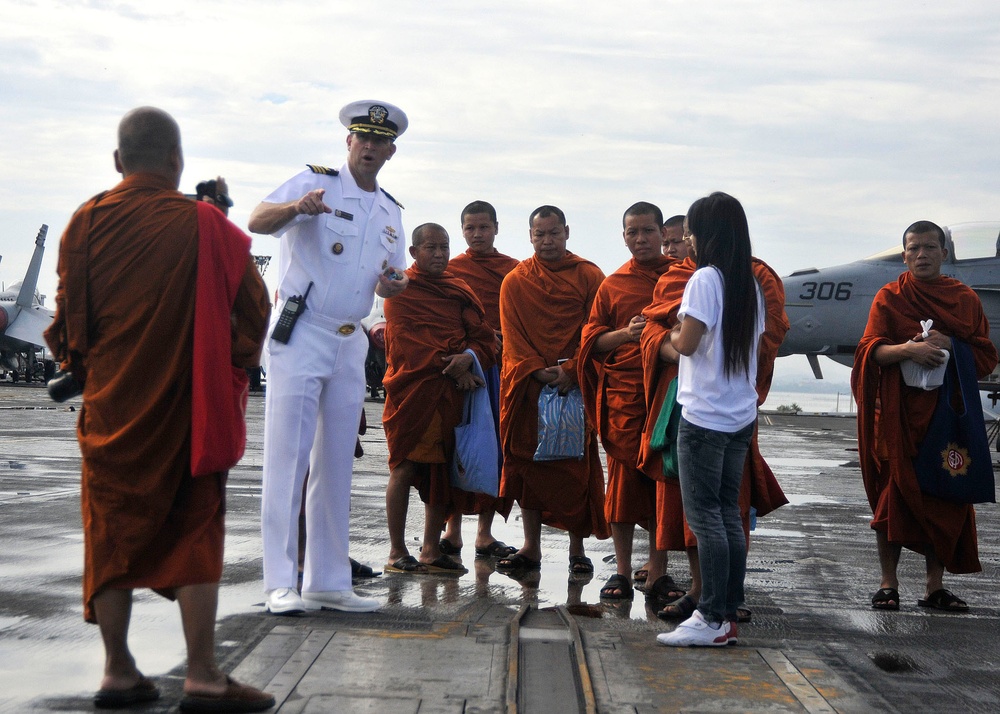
(826, 291)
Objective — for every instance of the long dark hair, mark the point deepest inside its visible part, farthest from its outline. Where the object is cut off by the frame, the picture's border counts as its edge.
(722, 240)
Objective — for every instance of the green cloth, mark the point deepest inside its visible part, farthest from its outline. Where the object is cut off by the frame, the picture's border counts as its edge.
(664, 436)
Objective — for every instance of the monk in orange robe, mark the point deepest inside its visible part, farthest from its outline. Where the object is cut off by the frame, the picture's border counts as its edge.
(759, 488)
(483, 267)
(429, 327)
(893, 418)
(544, 303)
(611, 379)
(155, 293)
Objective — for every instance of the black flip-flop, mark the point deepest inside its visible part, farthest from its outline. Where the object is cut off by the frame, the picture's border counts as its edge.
(663, 590)
(445, 565)
(142, 691)
(408, 565)
(885, 599)
(580, 565)
(359, 570)
(496, 549)
(944, 600)
(449, 548)
(680, 609)
(518, 562)
(621, 584)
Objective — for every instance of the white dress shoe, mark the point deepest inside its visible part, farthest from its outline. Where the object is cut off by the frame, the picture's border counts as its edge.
(344, 600)
(284, 601)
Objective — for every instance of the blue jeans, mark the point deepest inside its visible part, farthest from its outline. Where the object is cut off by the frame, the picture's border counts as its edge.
(711, 469)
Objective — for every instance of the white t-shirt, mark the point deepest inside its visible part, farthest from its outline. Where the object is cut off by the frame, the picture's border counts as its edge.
(709, 398)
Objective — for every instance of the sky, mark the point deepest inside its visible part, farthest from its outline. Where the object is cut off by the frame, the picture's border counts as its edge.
(835, 124)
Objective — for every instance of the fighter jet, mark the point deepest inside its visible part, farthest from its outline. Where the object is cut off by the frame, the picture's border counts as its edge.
(828, 308)
(23, 320)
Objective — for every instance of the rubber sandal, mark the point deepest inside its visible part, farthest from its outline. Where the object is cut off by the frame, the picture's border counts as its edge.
(680, 609)
(445, 565)
(944, 600)
(496, 549)
(407, 564)
(885, 599)
(620, 584)
(664, 590)
(359, 570)
(580, 565)
(142, 691)
(518, 562)
(449, 548)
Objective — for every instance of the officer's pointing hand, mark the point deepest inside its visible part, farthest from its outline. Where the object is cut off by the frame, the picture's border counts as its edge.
(312, 203)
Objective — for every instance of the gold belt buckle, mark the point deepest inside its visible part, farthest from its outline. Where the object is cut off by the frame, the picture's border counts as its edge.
(347, 329)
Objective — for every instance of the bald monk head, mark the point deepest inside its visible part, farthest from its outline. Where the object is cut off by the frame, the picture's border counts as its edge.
(642, 227)
(149, 141)
(924, 250)
(674, 244)
(548, 233)
(480, 227)
(429, 246)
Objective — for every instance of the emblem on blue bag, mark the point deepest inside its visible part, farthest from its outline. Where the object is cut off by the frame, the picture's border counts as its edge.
(955, 460)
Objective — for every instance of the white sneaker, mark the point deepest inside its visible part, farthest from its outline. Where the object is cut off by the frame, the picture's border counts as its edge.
(284, 601)
(344, 600)
(696, 632)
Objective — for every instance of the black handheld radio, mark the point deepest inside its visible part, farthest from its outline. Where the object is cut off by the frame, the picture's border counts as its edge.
(290, 313)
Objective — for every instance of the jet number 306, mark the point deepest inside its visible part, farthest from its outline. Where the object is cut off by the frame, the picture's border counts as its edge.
(826, 291)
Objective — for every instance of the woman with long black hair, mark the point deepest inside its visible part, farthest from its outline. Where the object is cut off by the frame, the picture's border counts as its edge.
(720, 322)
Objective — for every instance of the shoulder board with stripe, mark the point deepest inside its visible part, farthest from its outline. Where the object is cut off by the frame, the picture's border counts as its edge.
(391, 198)
(322, 170)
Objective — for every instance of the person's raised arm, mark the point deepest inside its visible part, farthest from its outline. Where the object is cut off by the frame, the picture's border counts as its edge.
(268, 218)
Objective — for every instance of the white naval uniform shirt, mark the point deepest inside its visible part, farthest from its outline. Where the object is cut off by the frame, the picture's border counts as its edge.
(368, 240)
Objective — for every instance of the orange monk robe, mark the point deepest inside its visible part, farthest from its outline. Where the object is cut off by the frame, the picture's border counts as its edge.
(893, 417)
(484, 274)
(543, 307)
(759, 488)
(434, 317)
(613, 390)
(147, 523)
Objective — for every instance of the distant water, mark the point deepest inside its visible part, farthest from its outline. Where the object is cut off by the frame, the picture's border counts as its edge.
(811, 402)
(832, 403)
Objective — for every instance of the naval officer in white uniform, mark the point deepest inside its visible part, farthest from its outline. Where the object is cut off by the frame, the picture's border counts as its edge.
(342, 242)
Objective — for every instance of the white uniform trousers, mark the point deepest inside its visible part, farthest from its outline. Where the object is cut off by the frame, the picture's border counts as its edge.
(315, 394)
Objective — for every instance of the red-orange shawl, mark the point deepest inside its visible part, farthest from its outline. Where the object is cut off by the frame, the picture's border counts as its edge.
(893, 418)
(219, 390)
(612, 382)
(434, 317)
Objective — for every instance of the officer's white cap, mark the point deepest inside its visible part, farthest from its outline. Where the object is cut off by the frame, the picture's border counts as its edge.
(371, 116)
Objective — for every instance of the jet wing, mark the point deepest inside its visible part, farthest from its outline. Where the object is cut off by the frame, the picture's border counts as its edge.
(30, 324)
(989, 295)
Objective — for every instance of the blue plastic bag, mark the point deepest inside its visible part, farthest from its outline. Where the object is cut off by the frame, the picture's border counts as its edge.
(562, 426)
(475, 464)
